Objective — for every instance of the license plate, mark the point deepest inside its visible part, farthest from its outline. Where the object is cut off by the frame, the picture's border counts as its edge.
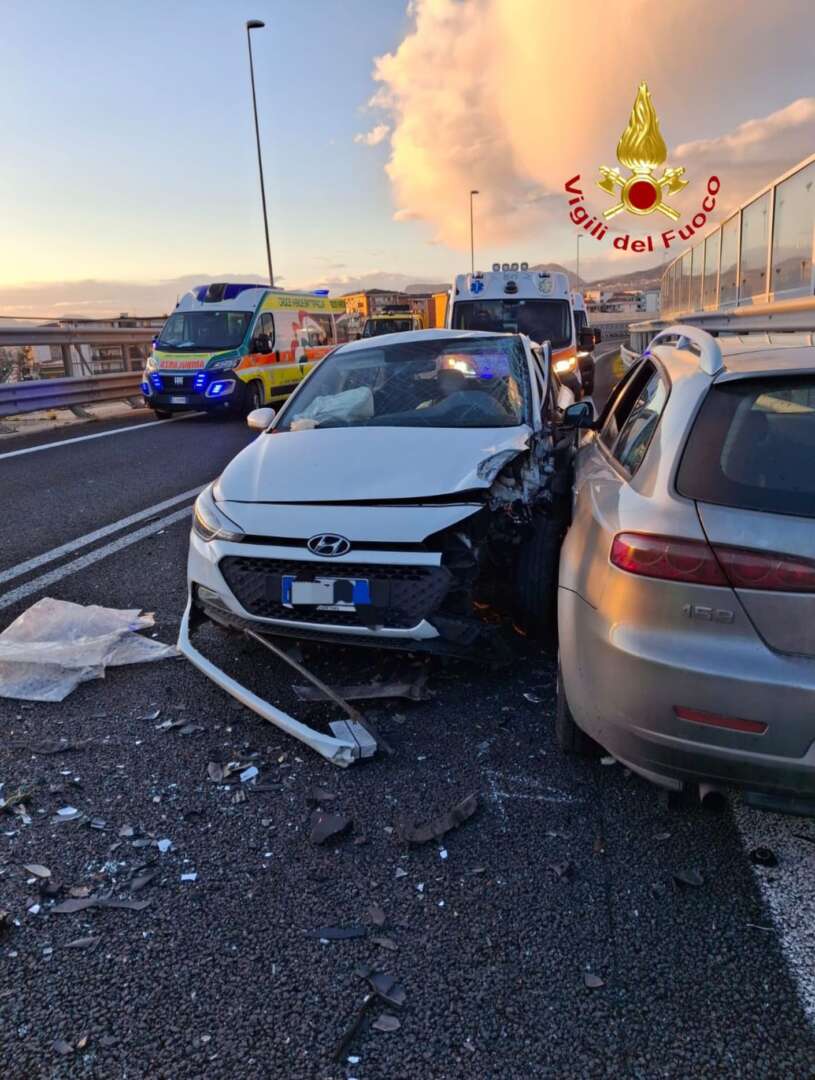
(178, 399)
(340, 593)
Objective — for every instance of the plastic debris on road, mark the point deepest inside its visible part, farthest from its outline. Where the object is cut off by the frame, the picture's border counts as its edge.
(438, 826)
(56, 645)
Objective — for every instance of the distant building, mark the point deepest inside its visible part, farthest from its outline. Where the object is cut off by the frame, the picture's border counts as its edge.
(373, 301)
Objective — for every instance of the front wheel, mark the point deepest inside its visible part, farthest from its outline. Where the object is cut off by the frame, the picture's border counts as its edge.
(570, 738)
(162, 414)
(536, 582)
(254, 397)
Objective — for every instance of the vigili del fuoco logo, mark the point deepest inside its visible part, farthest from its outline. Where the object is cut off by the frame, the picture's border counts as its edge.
(641, 151)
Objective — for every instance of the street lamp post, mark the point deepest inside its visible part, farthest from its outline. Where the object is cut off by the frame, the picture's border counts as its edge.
(472, 242)
(256, 24)
(579, 238)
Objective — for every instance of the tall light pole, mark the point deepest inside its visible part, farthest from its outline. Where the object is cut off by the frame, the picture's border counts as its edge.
(472, 242)
(256, 24)
(579, 238)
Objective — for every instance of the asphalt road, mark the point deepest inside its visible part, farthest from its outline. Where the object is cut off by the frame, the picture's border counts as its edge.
(566, 869)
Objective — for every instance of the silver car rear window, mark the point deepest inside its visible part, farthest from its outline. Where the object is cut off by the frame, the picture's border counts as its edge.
(752, 446)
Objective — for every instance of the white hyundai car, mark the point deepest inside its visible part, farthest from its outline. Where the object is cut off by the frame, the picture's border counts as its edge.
(409, 494)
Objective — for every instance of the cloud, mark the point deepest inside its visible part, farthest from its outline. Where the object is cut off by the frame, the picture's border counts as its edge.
(373, 137)
(755, 153)
(514, 98)
(92, 298)
(374, 279)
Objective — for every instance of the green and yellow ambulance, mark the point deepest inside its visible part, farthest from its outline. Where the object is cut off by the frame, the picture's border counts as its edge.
(230, 348)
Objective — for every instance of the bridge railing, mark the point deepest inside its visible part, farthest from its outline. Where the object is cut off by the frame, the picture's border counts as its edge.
(55, 367)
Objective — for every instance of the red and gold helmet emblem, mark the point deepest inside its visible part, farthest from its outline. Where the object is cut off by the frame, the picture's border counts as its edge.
(641, 150)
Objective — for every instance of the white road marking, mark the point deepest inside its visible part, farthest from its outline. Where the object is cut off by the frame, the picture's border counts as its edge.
(90, 538)
(98, 435)
(540, 792)
(44, 580)
(788, 890)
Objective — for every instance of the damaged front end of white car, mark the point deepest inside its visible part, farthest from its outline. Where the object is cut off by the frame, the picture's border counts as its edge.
(411, 495)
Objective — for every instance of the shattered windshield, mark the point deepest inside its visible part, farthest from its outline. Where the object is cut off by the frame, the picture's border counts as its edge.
(203, 331)
(477, 382)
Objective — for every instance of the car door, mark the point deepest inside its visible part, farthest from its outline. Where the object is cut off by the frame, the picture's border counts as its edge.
(605, 463)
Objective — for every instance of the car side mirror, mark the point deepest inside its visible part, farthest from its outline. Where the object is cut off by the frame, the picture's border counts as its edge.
(259, 419)
(586, 340)
(579, 415)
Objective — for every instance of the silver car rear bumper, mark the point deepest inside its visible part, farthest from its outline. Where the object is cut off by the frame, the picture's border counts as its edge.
(625, 694)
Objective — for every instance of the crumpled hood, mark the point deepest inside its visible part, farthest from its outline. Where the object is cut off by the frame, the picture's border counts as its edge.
(359, 464)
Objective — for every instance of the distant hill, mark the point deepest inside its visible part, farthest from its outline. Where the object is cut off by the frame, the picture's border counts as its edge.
(574, 281)
(424, 287)
(633, 279)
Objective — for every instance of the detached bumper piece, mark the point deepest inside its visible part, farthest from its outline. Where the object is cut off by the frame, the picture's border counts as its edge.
(350, 740)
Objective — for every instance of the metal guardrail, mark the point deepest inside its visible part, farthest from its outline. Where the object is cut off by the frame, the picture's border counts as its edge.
(69, 335)
(628, 356)
(72, 354)
(36, 394)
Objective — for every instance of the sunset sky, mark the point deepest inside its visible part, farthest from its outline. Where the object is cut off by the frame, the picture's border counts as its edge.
(128, 155)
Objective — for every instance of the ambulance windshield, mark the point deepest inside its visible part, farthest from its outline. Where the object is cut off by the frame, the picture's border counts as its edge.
(203, 331)
(541, 320)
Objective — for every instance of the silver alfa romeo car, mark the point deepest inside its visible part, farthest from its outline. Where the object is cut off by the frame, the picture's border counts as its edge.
(687, 578)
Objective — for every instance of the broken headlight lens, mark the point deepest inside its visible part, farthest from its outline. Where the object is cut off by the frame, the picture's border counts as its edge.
(489, 468)
(210, 523)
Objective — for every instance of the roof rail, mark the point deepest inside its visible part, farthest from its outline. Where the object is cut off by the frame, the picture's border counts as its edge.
(710, 353)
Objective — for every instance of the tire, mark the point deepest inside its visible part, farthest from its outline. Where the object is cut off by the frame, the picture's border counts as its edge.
(162, 414)
(536, 582)
(570, 738)
(254, 397)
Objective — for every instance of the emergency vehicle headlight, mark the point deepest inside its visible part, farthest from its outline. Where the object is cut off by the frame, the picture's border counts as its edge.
(210, 523)
(152, 362)
(220, 388)
(226, 364)
(563, 367)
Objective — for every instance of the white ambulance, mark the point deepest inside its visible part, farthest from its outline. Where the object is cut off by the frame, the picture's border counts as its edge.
(511, 298)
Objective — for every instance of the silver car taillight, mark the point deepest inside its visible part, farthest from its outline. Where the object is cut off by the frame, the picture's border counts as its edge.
(667, 558)
(699, 563)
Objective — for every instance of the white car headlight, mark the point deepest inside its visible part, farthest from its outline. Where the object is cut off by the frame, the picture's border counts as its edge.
(152, 362)
(210, 523)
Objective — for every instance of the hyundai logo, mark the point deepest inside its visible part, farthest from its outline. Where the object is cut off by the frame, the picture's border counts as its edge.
(329, 545)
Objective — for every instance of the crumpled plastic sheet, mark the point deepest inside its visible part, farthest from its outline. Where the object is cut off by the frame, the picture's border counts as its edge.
(55, 645)
(355, 404)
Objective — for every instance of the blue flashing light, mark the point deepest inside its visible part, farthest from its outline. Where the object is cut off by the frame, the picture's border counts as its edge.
(321, 292)
(199, 382)
(216, 389)
(230, 291)
(156, 380)
(145, 388)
